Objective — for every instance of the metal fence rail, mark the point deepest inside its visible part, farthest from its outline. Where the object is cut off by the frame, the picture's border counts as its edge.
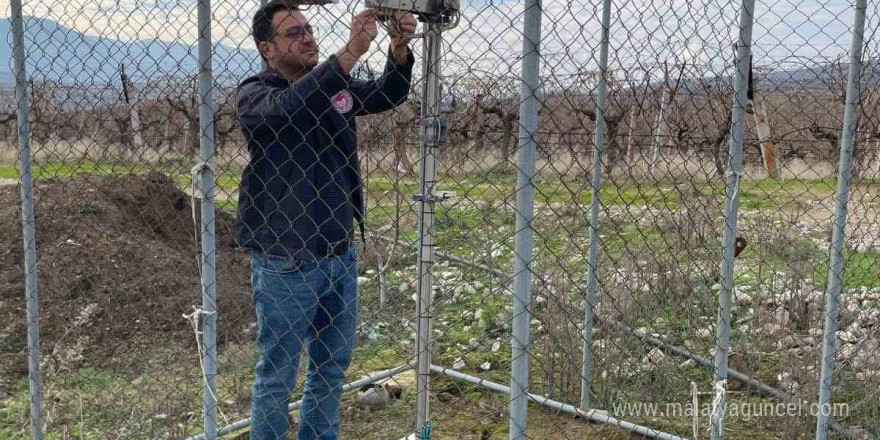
(581, 219)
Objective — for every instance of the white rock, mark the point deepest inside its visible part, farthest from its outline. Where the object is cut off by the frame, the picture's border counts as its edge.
(473, 343)
(362, 280)
(855, 329)
(771, 328)
(653, 360)
(477, 285)
(496, 346)
(371, 271)
(486, 366)
(783, 317)
(864, 376)
(815, 296)
(787, 382)
(458, 364)
(703, 333)
(743, 298)
(847, 351)
(847, 336)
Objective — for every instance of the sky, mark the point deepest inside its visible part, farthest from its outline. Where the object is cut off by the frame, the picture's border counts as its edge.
(645, 34)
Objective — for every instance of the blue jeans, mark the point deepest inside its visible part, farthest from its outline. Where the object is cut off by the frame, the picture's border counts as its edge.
(301, 303)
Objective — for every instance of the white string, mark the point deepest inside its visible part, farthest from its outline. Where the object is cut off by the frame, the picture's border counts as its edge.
(193, 318)
(720, 389)
(195, 192)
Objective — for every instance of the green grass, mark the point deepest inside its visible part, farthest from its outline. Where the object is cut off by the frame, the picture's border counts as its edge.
(497, 186)
(465, 227)
(860, 269)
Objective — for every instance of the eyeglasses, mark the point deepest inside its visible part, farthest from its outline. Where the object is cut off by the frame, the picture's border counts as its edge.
(296, 32)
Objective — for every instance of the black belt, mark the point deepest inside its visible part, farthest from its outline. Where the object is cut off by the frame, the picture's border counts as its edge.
(333, 249)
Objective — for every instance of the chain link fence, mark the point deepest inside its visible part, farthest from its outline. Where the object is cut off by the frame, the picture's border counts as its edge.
(712, 269)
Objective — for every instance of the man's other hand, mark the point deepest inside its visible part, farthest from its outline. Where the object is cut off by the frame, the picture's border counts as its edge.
(363, 32)
(402, 25)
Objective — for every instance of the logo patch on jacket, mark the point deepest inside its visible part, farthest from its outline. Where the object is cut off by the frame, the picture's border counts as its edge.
(342, 102)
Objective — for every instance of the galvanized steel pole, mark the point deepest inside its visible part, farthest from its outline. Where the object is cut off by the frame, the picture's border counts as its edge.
(835, 266)
(731, 208)
(592, 263)
(27, 221)
(431, 124)
(525, 205)
(208, 257)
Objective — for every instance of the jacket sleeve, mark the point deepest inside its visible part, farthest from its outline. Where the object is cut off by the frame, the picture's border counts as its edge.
(259, 103)
(386, 92)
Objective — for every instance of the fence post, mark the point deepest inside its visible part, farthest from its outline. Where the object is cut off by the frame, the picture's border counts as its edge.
(208, 254)
(430, 130)
(27, 221)
(592, 286)
(835, 265)
(731, 208)
(525, 205)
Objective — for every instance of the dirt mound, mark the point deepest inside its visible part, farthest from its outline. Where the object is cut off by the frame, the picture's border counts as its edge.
(117, 264)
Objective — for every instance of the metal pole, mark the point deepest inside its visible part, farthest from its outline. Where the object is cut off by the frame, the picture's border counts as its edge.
(525, 206)
(593, 415)
(835, 266)
(731, 207)
(208, 257)
(592, 286)
(27, 221)
(431, 126)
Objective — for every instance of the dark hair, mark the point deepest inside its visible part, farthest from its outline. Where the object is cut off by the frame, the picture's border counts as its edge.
(262, 24)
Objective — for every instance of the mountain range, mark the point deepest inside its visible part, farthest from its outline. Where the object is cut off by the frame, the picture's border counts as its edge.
(59, 53)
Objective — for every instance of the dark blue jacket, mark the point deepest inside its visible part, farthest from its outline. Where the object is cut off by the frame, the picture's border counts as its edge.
(302, 186)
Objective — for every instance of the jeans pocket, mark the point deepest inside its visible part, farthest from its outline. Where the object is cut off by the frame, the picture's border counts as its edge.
(281, 266)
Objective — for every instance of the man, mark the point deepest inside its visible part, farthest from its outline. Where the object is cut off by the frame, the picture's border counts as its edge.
(300, 193)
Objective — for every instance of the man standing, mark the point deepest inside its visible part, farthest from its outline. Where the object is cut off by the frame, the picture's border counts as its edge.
(300, 194)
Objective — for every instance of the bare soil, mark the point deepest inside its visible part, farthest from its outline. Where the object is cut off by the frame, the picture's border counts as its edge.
(117, 268)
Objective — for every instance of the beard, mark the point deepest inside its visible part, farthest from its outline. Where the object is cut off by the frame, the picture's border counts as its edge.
(298, 63)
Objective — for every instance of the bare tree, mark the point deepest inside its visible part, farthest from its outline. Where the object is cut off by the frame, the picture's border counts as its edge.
(508, 118)
(667, 98)
(405, 116)
(182, 97)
